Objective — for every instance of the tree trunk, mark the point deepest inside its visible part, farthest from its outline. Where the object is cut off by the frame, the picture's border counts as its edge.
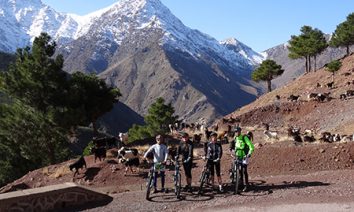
(333, 78)
(306, 65)
(348, 50)
(269, 82)
(309, 63)
(315, 63)
(94, 127)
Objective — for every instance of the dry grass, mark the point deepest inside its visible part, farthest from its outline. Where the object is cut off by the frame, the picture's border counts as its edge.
(45, 171)
(61, 171)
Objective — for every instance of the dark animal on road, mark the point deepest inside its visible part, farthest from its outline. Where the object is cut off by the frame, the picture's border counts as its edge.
(79, 164)
(99, 153)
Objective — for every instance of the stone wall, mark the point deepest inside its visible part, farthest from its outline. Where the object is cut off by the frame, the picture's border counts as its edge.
(57, 197)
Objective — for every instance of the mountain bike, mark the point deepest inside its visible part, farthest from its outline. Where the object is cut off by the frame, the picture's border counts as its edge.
(150, 181)
(236, 174)
(205, 177)
(177, 180)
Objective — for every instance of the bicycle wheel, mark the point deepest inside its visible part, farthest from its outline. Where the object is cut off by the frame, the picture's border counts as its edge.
(149, 185)
(202, 181)
(178, 186)
(236, 179)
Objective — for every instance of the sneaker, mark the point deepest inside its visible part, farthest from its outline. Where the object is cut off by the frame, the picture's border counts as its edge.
(163, 190)
(190, 190)
(154, 191)
(221, 189)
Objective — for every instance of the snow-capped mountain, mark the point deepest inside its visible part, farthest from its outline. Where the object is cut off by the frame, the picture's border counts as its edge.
(146, 51)
(22, 20)
(254, 57)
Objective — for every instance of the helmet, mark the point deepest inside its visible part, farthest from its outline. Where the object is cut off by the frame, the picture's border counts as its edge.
(213, 134)
(237, 129)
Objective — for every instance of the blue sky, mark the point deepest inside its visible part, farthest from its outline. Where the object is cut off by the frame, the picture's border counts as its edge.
(260, 24)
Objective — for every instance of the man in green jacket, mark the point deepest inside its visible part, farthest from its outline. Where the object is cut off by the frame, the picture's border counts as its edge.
(243, 148)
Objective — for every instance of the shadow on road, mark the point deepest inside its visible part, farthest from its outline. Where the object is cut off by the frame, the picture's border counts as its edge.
(262, 186)
(91, 173)
(185, 196)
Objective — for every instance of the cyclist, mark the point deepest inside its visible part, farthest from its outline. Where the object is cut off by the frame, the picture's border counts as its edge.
(213, 153)
(243, 148)
(160, 153)
(186, 150)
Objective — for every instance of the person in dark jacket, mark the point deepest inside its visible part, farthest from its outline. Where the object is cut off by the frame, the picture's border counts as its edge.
(213, 154)
(186, 150)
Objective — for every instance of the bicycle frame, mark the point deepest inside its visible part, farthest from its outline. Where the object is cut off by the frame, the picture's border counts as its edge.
(177, 180)
(204, 178)
(150, 181)
(236, 172)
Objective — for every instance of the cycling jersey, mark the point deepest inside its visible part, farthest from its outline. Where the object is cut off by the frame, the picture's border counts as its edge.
(242, 143)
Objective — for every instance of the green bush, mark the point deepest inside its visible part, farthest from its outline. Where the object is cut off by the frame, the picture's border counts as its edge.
(87, 150)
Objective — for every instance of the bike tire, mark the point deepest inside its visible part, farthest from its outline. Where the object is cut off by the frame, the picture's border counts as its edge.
(202, 181)
(178, 186)
(149, 186)
(236, 180)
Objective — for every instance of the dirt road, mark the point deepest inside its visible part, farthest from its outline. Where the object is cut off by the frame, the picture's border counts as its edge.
(317, 191)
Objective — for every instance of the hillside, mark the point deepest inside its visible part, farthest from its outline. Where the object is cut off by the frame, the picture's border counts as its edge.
(335, 116)
(5, 60)
(142, 48)
(295, 68)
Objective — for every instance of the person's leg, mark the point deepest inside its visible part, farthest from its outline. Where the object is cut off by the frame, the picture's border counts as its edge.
(218, 174)
(155, 181)
(212, 173)
(241, 176)
(245, 172)
(162, 174)
(189, 175)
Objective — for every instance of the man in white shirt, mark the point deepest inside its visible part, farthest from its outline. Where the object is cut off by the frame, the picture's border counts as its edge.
(160, 153)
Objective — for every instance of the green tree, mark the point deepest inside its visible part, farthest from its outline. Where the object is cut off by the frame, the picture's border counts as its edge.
(29, 140)
(5, 60)
(309, 43)
(318, 44)
(91, 98)
(267, 71)
(38, 79)
(333, 67)
(138, 132)
(344, 34)
(159, 116)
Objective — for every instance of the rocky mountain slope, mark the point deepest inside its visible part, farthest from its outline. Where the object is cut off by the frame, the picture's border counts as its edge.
(143, 49)
(335, 116)
(295, 68)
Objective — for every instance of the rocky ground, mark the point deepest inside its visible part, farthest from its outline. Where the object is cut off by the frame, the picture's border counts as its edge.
(281, 173)
(335, 116)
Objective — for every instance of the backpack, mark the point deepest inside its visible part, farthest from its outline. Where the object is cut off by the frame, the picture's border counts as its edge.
(247, 148)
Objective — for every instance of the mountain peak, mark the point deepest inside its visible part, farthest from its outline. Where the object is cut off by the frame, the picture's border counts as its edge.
(230, 41)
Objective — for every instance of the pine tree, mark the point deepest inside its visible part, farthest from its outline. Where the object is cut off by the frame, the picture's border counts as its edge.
(37, 78)
(159, 116)
(318, 44)
(309, 43)
(344, 34)
(90, 98)
(267, 71)
(333, 67)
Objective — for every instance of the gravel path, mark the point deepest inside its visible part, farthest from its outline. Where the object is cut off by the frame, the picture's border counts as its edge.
(325, 191)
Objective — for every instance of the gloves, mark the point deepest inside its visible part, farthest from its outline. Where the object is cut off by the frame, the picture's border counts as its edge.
(216, 160)
(185, 161)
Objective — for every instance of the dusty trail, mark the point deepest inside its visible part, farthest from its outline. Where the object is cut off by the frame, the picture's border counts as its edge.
(324, 190)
